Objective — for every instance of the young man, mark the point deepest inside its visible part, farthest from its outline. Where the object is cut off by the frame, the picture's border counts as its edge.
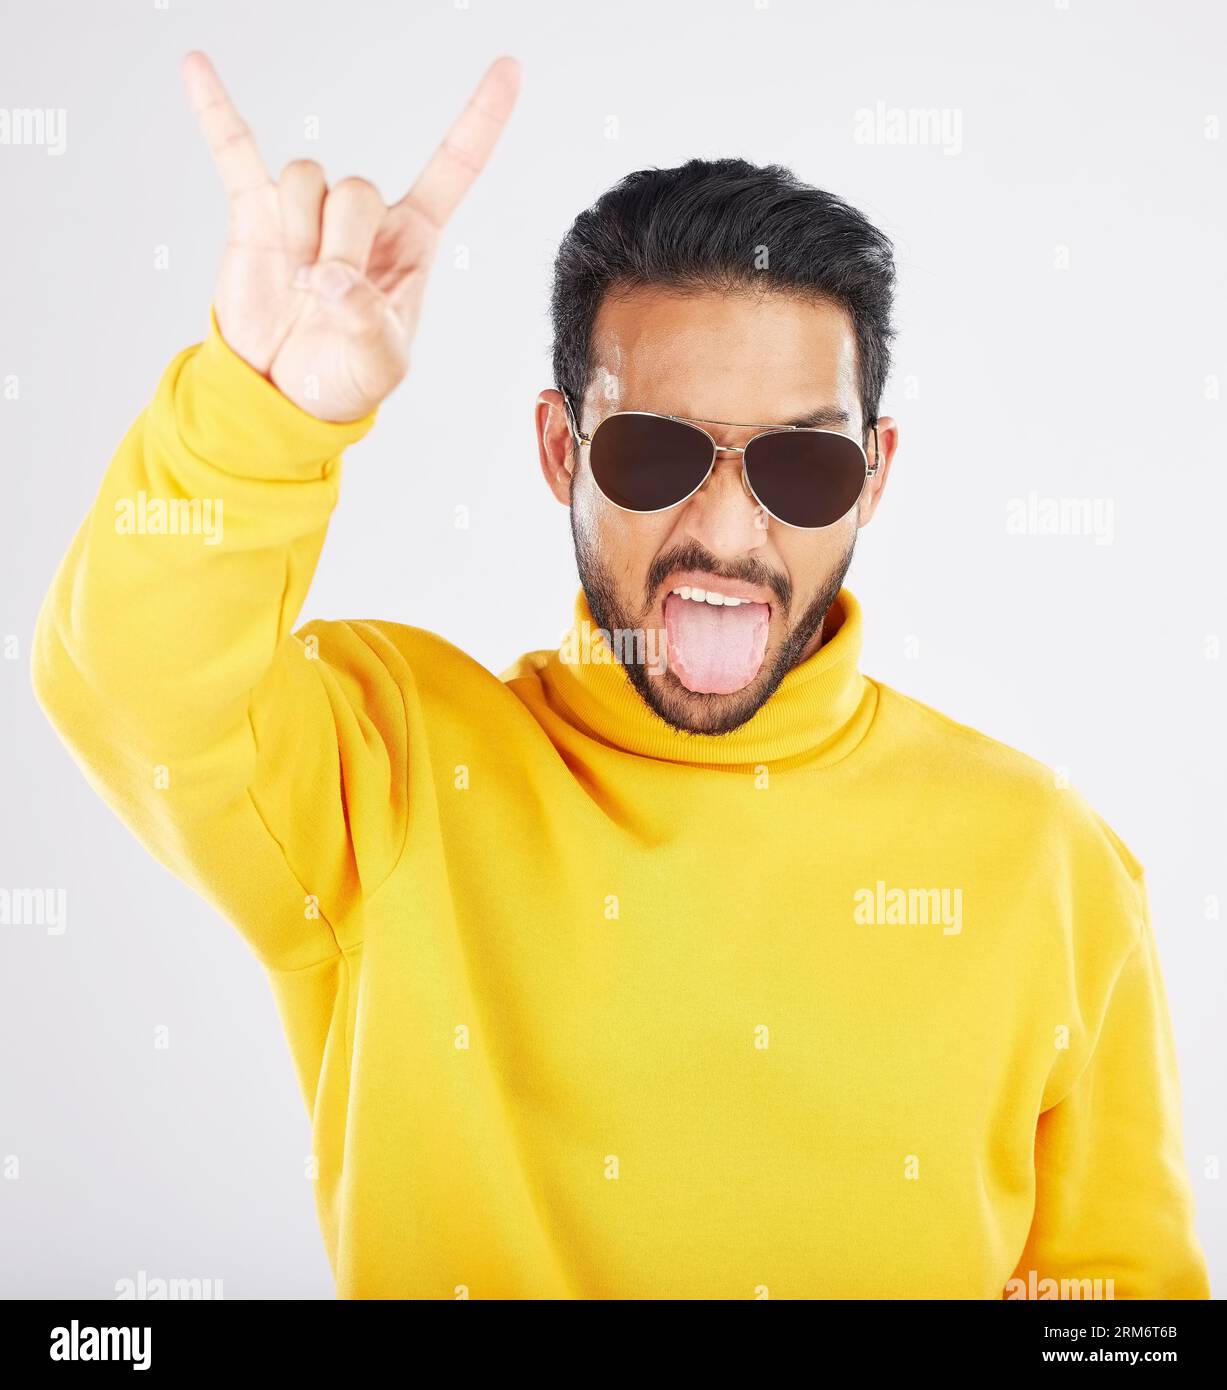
(685, 961)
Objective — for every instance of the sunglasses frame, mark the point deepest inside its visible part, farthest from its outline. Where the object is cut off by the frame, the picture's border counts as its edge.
(696, 423)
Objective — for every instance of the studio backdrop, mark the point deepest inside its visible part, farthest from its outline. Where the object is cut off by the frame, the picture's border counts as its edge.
(1047, 565)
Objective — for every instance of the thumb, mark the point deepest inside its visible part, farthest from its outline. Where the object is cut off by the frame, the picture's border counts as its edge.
(348, 296)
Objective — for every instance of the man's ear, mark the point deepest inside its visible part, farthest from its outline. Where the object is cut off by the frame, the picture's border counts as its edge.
(555, 444)
(887, 442)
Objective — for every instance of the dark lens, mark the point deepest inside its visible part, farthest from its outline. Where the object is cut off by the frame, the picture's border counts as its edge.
(805, 477)
(645, 462)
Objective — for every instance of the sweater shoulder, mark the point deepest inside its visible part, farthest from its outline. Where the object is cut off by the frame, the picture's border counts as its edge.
(353, 641)
(1028, 796)
(445, 681)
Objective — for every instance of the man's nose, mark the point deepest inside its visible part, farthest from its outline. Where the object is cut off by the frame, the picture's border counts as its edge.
(724, 515)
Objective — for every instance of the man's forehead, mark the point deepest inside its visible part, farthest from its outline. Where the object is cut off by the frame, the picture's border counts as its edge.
(658, 313)
(721, 355)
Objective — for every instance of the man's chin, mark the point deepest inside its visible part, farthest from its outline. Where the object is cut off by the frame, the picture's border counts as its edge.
(659, 687)
(702, 712)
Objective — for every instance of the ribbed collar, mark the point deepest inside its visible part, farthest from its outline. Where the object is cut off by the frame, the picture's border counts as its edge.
(821, 710)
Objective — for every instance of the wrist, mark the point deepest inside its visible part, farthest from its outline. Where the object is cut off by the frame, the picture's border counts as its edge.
(226, 412)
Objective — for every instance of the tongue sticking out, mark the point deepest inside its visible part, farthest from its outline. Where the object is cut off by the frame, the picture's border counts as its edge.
(715, 650)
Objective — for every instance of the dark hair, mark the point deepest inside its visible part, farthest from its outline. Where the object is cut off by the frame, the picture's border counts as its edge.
(701, 226)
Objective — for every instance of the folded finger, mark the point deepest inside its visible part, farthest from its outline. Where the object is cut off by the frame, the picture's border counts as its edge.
(300, 193)
(353, 211)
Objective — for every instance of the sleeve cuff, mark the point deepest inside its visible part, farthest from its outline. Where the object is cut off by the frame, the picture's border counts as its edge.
(226, 413)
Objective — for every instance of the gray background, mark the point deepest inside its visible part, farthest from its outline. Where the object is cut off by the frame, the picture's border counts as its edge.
(1086, 126)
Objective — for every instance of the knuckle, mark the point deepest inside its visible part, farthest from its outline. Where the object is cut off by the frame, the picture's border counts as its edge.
(234, 135)
(462, 156)
(302, 171)
(358, 189)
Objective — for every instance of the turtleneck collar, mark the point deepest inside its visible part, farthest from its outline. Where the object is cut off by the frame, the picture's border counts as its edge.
(820, 711)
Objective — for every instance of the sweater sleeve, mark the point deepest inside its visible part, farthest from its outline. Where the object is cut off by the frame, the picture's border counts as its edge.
(266, 768)
(1113, 1199)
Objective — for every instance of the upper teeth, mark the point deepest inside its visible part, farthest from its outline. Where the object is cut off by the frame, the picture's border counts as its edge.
(709, 596)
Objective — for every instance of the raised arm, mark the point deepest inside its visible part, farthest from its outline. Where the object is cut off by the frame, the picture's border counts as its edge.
(266, 768)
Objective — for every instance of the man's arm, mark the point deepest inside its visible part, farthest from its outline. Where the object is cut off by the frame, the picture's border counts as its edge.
(167, 663)
(267, 769)
(1113, 1199)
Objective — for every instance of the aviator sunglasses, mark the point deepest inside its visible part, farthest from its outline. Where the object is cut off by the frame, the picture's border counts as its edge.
(801, 475)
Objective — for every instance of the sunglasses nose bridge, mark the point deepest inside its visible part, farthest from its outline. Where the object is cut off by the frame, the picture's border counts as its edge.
(745, 477)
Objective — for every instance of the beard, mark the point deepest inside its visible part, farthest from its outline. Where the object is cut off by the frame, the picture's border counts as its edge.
(664, 694)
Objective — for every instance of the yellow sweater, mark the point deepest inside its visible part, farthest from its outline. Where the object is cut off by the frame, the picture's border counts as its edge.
(853, 1002)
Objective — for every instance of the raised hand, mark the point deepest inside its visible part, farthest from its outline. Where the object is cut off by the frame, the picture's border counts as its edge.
(321, 288)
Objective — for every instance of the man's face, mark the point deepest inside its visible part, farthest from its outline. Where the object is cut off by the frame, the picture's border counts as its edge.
(761, 360)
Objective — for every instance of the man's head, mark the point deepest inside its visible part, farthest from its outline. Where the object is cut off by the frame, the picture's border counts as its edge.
(716, 291)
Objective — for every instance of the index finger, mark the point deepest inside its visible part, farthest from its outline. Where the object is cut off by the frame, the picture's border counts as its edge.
(468, 144)
(228, 136)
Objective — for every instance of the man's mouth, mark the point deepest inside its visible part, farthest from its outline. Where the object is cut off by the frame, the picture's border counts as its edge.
(715, 638)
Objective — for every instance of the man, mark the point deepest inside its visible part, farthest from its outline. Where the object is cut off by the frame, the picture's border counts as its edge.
(682, 962)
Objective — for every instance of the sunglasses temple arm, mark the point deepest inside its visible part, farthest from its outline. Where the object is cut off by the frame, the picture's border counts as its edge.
(572, 422)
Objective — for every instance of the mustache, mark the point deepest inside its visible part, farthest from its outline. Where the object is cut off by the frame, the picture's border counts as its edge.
(693, 556)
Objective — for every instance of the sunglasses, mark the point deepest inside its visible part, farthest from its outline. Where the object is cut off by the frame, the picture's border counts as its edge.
(802, 476)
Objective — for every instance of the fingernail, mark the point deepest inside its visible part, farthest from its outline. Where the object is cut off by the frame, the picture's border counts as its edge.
(334, 281)
(302, 278)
